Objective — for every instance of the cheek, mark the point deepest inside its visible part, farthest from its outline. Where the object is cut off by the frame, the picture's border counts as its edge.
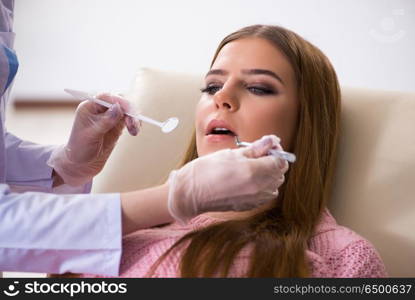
(269, 119)
(263, 118)
(203, 108)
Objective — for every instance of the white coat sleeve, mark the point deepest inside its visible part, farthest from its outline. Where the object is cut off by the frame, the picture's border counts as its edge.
(51, 233)
(26, 162)
(26, 168)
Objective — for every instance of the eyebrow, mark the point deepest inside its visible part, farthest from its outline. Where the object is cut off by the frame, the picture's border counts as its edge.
(247, 72)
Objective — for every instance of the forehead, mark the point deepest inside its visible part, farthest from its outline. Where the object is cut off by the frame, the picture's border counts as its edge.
(253, 53)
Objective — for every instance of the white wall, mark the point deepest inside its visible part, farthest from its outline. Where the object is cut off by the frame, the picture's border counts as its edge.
(98, 44)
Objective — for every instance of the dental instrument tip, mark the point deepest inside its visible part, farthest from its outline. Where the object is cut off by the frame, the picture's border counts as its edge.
(280, 153)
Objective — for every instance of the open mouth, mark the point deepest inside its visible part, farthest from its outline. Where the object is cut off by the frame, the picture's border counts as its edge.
(221, 131)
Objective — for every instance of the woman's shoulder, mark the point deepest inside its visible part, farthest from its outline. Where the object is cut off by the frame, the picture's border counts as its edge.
(330, 236)
(344, 252)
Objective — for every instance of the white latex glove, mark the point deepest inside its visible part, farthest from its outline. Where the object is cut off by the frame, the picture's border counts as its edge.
(238, 179)
(94, 134)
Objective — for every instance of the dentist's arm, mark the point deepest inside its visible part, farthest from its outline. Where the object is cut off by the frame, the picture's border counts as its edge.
(49, 233)
(239, 179)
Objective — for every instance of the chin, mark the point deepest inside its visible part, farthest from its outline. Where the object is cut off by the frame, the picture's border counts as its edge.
(211, 148)
(206, 152)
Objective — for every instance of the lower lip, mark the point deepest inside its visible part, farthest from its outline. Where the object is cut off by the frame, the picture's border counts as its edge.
(220, 138)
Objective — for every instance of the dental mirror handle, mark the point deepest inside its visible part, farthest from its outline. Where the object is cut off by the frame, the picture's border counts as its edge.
(146, 119)
(138, 116)
(167, 126)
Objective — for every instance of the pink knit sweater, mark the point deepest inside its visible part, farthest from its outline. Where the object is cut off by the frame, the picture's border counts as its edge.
(334, 251)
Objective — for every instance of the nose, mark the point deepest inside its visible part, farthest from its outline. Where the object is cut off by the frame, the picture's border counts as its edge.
(226, 99)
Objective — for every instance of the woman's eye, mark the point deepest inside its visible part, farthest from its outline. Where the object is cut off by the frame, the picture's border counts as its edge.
(261, 90)
(211, 89)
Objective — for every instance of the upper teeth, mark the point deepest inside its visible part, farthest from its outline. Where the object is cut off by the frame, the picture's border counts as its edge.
(220, 129)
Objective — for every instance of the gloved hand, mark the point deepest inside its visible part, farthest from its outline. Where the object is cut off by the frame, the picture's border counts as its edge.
(95, 131)
(238, 179)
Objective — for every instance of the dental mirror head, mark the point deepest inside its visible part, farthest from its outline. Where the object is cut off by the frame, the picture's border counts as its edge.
(169, 125)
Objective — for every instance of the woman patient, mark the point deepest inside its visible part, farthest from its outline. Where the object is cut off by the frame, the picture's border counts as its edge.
(264, 80)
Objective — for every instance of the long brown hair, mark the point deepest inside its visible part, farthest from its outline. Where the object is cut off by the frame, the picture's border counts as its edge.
(278, 237)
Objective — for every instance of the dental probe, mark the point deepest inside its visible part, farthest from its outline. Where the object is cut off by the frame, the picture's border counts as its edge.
(280, 153)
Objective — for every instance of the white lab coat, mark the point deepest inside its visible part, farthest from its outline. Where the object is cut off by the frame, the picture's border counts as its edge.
(41, 231)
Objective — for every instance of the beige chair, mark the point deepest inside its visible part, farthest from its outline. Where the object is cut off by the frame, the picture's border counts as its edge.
(375, 176)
